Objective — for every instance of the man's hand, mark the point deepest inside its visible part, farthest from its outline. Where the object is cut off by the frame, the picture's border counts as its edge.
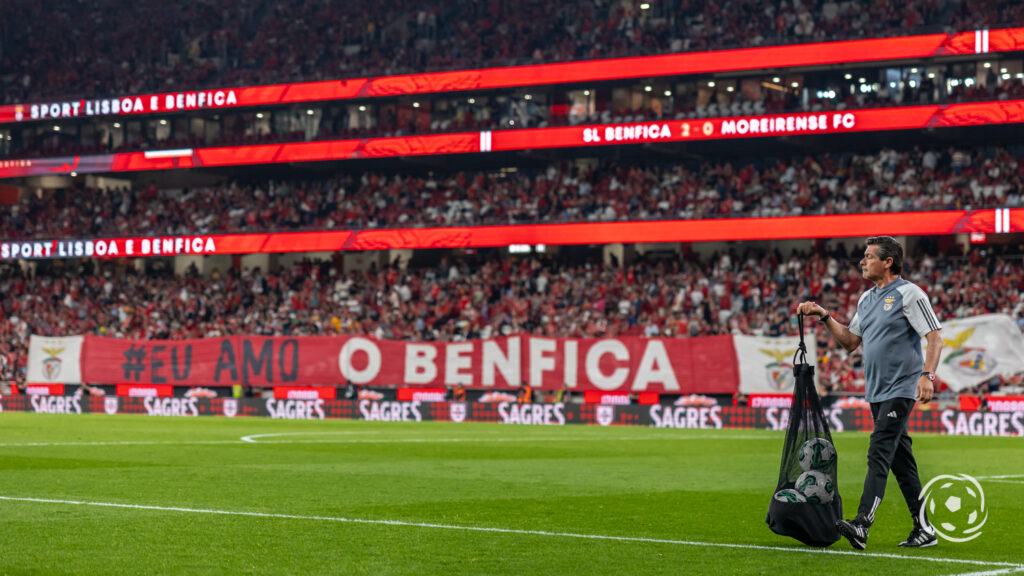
(925, 389)
(811, 309)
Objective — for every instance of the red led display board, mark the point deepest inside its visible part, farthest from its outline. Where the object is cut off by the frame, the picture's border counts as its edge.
(722, 128)
(992, 221)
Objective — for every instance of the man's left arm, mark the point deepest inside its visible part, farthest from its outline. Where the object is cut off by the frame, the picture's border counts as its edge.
(923, 320)
(925, 386)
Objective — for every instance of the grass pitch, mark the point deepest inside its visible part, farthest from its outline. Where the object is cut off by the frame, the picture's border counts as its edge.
(97, 494)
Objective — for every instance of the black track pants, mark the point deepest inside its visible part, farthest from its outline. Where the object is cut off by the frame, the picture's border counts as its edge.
(890, 449)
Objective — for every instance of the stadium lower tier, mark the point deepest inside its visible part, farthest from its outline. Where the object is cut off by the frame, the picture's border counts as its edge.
(840, 419)
(586, 190)
(686, 291)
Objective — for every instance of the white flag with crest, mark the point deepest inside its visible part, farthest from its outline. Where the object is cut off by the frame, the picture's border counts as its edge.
(766, 364)
(978, 348)
(54, 360)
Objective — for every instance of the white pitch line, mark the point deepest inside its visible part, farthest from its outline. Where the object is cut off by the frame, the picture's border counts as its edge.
(250, 438)
(1004, 476)
(402, 523)
(527, 438)
(992, 572)
(473, 439)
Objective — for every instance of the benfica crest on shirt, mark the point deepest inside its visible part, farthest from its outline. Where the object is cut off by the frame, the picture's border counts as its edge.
(888, 303)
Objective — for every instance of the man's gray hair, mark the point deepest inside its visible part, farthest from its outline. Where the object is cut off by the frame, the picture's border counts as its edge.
(888, 247)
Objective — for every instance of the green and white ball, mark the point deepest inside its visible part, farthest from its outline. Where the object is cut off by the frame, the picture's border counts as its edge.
(816, 487)
(817, 454)
(789, 495)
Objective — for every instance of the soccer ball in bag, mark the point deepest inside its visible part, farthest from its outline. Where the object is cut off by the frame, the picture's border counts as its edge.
(817, 454)
(816, 487)
(789, 495)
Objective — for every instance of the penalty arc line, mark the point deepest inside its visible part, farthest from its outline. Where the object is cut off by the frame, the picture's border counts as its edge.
(494, 530)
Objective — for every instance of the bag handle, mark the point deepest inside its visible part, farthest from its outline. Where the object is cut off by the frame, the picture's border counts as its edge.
(801, 350)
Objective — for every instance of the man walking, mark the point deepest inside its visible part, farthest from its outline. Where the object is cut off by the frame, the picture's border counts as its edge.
(890, 321)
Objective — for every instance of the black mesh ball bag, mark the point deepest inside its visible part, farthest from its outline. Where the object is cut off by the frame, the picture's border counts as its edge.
(806, 502)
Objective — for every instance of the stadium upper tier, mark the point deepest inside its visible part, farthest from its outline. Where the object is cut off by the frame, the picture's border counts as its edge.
(747, 290)
(68, 49)
(583, 191)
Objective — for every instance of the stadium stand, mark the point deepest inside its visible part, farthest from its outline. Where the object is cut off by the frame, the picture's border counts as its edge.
(889, 181)
(749, 292)
(161, 48)
(157, 46)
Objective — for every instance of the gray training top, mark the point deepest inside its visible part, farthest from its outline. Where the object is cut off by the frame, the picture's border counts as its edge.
(891, 323)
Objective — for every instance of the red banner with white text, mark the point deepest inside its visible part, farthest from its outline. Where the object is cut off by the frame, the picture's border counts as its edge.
(628, 364)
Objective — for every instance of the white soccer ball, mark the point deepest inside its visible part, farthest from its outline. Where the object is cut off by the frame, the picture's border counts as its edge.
(816, 487)
(817, 454)
(789, 495)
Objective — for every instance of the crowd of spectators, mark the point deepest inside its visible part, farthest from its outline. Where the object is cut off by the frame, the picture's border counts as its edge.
(747, 290)
(70, 49)
(889, 181)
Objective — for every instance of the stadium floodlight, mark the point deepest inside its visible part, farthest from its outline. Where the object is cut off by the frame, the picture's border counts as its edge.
(163, 122)
(56, 128)
(862, 80)
(645, 6)
(527, 96)
(309, 112)
(415, 104)
(117, 124)
(988, 64)
(711, 84)
(913, 70)
(586, 92)
(362, 108)
(931, 74)
(848, 76)
(795, 84)
(1006, 76)
(648, 88)
(259, 115)
(729, 89)
(776, 79)
(668, 92)
(1002, 70)
(472, 100)
(74, 174)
